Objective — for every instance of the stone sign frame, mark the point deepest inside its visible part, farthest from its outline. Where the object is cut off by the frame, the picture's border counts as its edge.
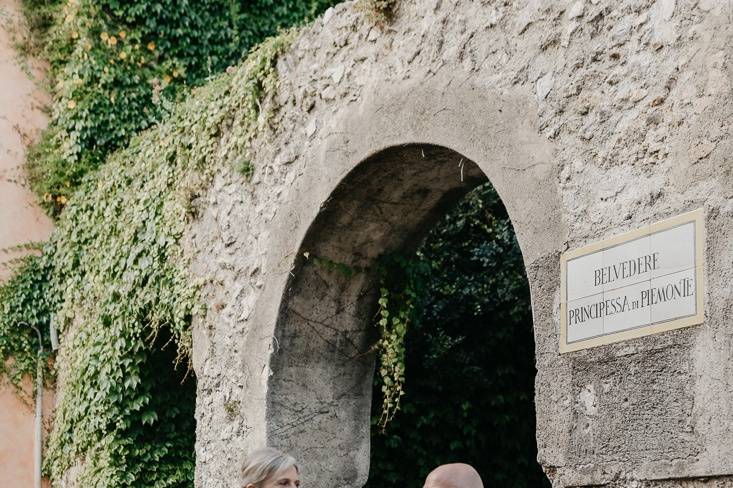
(697, 218)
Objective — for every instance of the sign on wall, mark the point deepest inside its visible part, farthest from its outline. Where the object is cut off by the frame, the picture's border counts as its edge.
(635, 284)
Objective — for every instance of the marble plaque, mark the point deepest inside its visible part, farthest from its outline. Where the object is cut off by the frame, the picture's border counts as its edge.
(635, 284)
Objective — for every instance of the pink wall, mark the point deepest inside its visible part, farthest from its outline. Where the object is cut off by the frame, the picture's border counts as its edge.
(21, 220)
(16, 436)
(21, 118)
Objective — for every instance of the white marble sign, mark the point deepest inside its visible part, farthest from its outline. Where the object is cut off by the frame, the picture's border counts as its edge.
(639, 283)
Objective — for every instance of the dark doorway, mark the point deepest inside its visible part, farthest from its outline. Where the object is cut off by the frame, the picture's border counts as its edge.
(468, 354)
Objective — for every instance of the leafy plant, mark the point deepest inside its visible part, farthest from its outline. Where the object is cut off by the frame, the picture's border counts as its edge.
(115, 281)
(119, 66)
(25, 302)
(466, 360)
(392, 330)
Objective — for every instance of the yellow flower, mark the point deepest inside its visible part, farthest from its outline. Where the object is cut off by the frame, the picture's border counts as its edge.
(104, 36)
(123, 54)
(175, 73)
(166, 79)
(122, 34)
(151, 46)
(71, 104)
(112, 41)
(61, 199)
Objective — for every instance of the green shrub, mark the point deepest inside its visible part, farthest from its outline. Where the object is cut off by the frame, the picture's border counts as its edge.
(118, 67)
(116, 283)
(25, 302)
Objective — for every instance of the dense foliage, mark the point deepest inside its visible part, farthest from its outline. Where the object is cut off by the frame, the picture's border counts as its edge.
(115, 281)
(112, 277)
(25, 302)
(118, 66)
(456, 331)
(124, 281)
(468, 354)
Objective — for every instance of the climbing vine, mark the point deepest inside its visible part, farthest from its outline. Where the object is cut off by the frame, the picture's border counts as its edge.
(134, 285)
(117, 67)
(391, 347)
(25, 302)
(466, 358)
(401, 288)
(115, 281)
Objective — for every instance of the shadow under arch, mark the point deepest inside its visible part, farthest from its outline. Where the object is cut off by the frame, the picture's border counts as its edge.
(319, 399)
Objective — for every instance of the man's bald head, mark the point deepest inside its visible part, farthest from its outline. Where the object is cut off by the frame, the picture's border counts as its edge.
(456, 475)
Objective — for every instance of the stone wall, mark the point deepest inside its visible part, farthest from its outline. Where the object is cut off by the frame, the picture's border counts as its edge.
(590, 118)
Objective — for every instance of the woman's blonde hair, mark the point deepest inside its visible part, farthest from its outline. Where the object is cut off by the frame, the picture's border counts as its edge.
(264, 464)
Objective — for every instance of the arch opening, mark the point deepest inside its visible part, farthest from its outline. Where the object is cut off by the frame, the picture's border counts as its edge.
(468, 352)
(320, 392)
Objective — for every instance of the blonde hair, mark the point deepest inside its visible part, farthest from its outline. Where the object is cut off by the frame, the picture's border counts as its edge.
(264, 464)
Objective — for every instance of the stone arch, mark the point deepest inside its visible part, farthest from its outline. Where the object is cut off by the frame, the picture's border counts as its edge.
(589, 119)
(236, 360)
(327, 316)
(317, 402)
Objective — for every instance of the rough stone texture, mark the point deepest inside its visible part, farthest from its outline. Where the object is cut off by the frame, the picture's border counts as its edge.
(589, 117)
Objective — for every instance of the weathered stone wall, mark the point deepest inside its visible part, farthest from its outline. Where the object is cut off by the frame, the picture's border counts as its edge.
(589, 117)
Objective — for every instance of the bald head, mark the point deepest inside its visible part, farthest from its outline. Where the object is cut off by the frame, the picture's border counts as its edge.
(456, 475)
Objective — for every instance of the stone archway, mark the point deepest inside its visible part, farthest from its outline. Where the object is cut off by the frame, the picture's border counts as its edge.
(589, 119)
(489, 134)
(318, 399)
(320, 390)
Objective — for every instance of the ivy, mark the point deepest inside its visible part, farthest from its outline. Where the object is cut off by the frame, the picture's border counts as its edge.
(392, 330)
(466, 359)
(118, 67)
(115, 281)
(400, 291)
(25, 303)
